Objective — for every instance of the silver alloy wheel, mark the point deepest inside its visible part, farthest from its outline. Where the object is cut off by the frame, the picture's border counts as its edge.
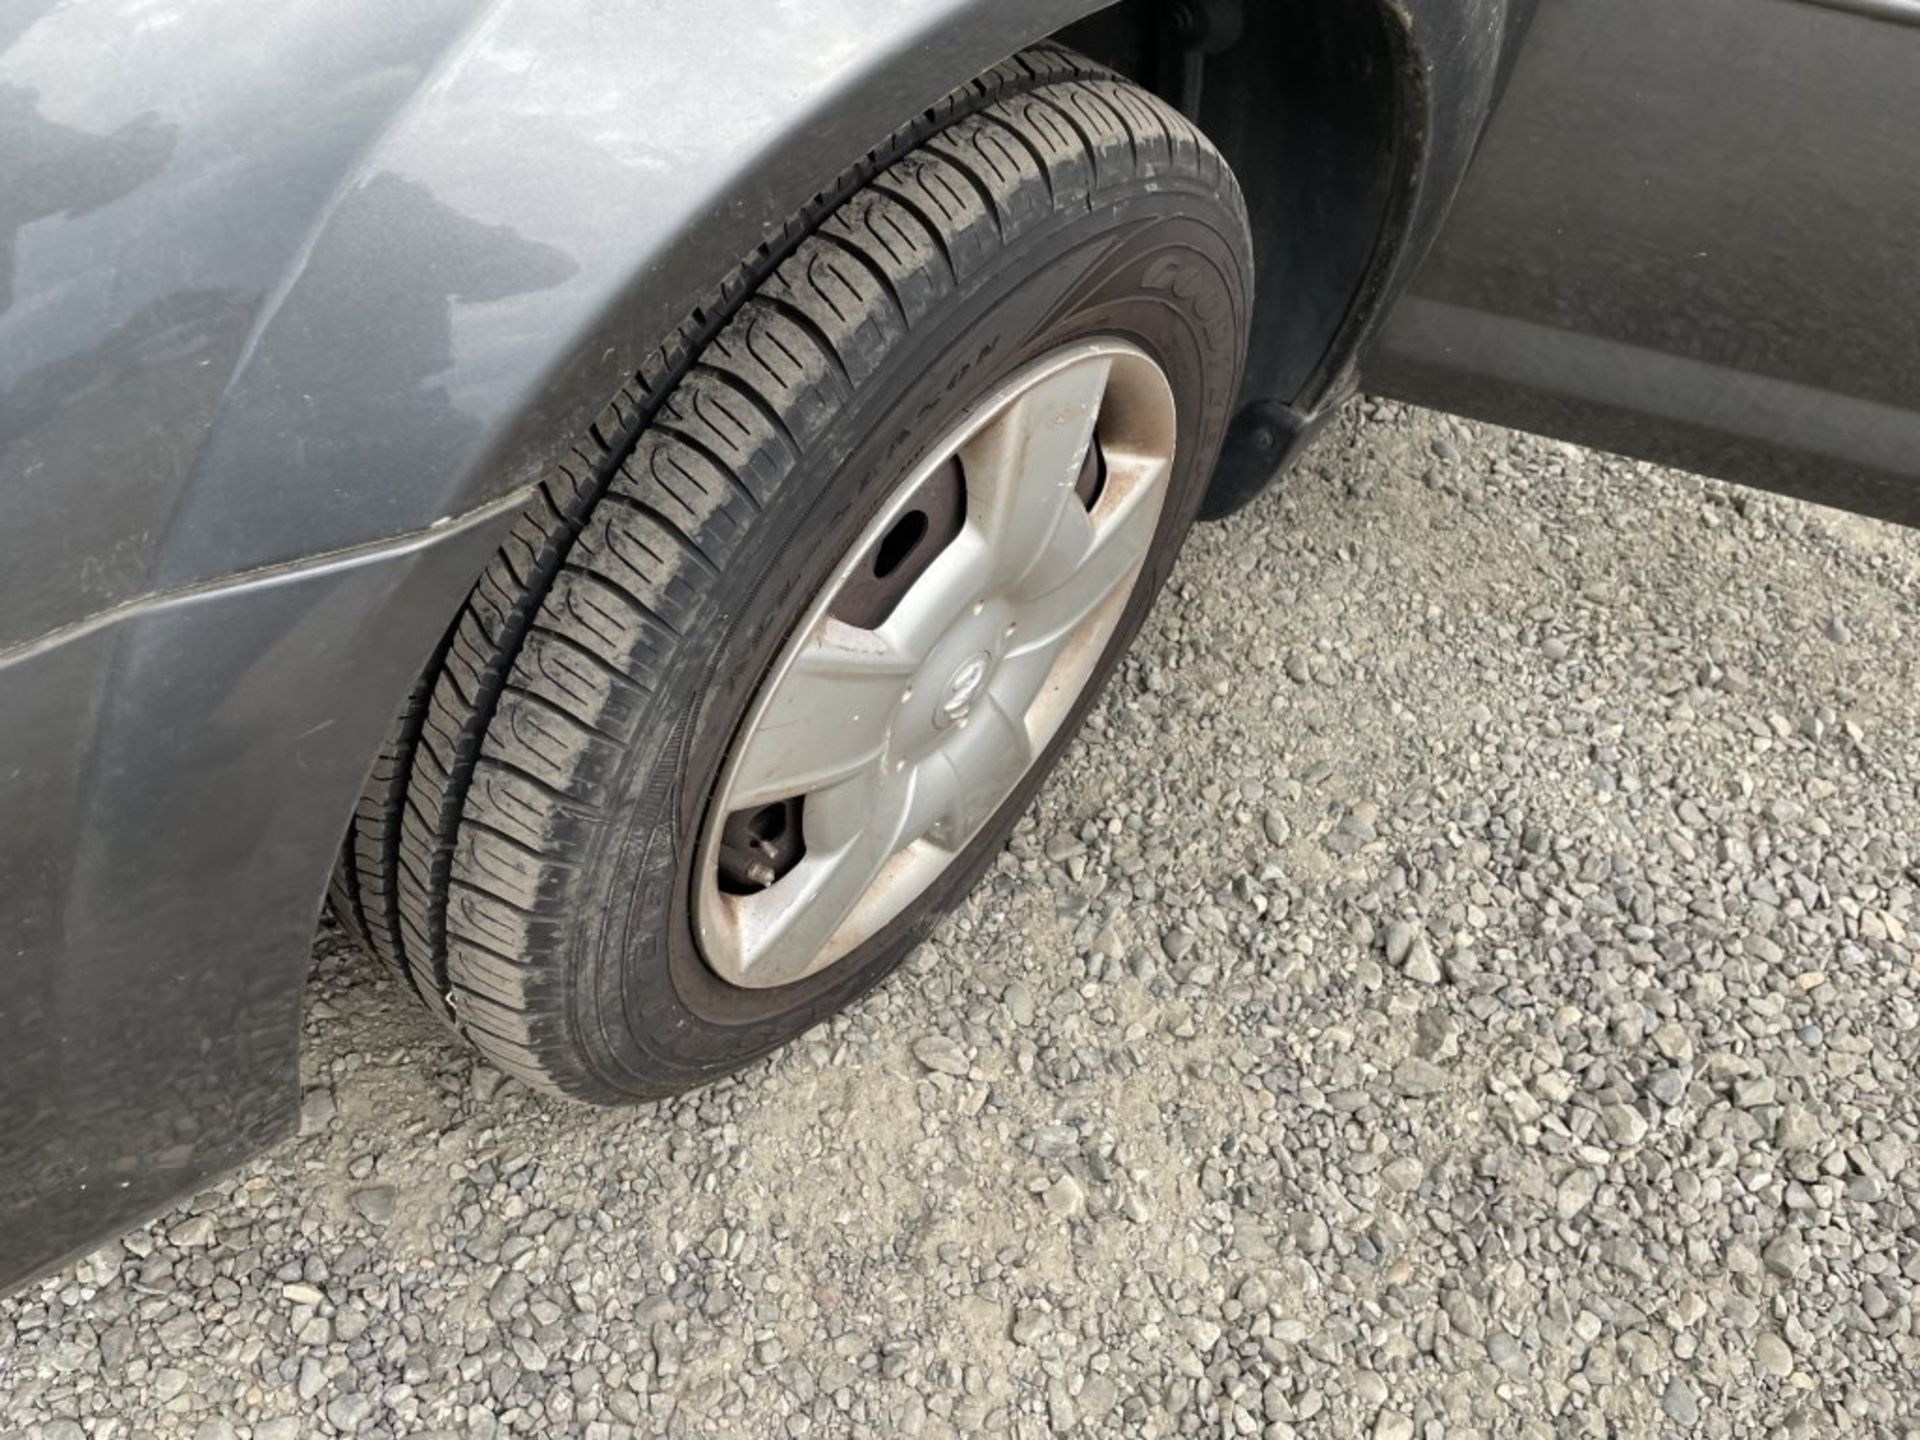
(896, 743)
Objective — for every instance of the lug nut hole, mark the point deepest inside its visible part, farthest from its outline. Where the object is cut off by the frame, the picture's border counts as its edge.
(899, 542)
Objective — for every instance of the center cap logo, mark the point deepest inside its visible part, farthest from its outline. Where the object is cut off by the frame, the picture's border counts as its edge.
(963, 688)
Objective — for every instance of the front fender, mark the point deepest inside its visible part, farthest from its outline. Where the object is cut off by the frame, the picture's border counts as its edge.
(369, 264)
(568, 183)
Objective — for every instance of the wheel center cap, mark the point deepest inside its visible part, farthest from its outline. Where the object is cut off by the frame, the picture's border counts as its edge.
(963, 688)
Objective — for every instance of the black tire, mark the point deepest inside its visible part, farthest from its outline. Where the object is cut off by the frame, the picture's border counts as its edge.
(523, 853)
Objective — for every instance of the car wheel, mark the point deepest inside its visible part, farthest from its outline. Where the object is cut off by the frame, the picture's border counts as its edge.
(760, 685)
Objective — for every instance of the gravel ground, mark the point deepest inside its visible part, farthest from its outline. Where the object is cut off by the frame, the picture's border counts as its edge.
(1464, 984)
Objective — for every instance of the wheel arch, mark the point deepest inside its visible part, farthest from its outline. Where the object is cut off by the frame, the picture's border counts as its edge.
(478, 285)
(548, 206)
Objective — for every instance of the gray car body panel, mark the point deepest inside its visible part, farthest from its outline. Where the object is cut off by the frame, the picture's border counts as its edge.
(296, 302)
(1696, 249)
(368, 262)
(173, 776)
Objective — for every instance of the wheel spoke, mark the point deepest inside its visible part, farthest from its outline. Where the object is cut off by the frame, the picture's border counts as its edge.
(855, 831)
(1115, 550)
(1021, 471)
(950, 587)
(826, 718)
(835, 815)
(983, 764)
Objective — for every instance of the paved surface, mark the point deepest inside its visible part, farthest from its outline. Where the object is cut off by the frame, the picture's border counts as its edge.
(1465, 983)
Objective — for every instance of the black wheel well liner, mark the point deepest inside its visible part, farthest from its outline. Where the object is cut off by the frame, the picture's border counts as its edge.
(1322, 108)
(1317, 107)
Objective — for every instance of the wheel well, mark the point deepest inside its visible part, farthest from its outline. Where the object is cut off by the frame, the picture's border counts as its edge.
(1310, 104)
